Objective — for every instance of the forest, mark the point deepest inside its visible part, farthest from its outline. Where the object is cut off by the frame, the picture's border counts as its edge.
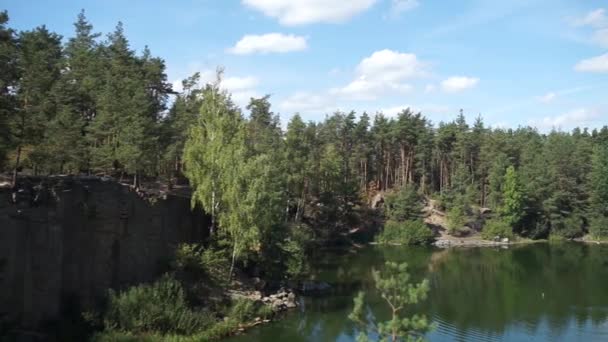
(94, 106)
(91, 105)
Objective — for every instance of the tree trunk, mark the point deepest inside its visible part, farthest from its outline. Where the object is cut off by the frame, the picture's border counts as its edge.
(136, 180)
(232, 262)
(16, 169)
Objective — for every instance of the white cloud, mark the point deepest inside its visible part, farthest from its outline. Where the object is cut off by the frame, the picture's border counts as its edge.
(364, 89)
(401, 6)
(235, 84)
(425, 109)
(240, 88)
(391, 65)
(596, 18)
(269, 43)
(600, 37)
(429, 88)
(580, 117)
(304, 102)
(177, 86)
(456, 84)
(596, 64)
(300, 12)
(383, 71)
(547, 98)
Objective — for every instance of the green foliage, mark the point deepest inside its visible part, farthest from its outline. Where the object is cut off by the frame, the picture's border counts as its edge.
(497, 228)
(9, 75)
(411, 232)
(569, 227)
(246, 310)
(395, 287)
(160, 307)
(205, 326)
(598, 181)
(457, 218)
(208, 262)
(403, 204)
(241, 188)
(295, 255)
(512, 203)
(598, 227)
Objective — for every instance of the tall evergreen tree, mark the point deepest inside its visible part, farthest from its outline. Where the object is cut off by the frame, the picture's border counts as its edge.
(8, 80)
(39, 65)
(512, 206)
(74, 93)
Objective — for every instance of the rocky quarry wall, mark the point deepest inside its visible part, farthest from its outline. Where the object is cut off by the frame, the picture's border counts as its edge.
(68, 240)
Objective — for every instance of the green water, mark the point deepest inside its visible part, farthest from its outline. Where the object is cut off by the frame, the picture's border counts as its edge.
(540, 292)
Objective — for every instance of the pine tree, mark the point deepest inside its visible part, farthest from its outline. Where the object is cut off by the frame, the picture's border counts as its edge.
(598, 186)
(8, 80)
(512, 206)
(65, 145)
(39, 63)
(124, 134)
(395, 287)
(297, 150)
(175, 128)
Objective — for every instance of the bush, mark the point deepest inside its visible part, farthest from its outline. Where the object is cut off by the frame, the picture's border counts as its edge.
(408, 233)
(194, 258)
(567, 227)
(244, 310)
(598, 227)
(159, 307)
(496, 227)
(404, 204)
(456, 219)
(295, 248)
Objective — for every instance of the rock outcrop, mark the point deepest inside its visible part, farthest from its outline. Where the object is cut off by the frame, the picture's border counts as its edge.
(70, 239)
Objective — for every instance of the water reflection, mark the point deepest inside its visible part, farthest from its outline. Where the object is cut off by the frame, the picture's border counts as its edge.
(538, 292)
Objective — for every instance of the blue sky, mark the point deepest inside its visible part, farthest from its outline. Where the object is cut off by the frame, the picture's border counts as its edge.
(518, 62)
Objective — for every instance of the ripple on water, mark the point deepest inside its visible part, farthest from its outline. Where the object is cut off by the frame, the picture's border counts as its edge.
(453, 333)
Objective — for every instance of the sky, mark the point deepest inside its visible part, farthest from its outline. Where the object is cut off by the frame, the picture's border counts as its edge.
(542, 63)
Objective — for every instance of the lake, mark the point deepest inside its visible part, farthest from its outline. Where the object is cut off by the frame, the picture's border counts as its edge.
(535, 292)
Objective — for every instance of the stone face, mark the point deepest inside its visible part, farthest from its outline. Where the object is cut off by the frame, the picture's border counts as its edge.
(76, 238)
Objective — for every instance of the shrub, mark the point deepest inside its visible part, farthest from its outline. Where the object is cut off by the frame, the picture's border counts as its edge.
(244, 310)
(408, 233)
(194, 258)
(567, 227)
(598, 227)
(404, 204)
(496, 227)
(159, 307)
(295, 248)
(456, 219)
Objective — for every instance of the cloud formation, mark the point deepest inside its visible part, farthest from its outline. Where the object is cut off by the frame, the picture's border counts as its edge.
(456, 84)
(597, 64)
(269, 43)
(383, 71)
(400, 6)
(596, 18)
(580, 117)
(547, 98)
(301, 12)
(305, 102)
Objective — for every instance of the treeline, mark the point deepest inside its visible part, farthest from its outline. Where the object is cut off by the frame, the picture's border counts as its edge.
(84, 106)
(93, 105)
